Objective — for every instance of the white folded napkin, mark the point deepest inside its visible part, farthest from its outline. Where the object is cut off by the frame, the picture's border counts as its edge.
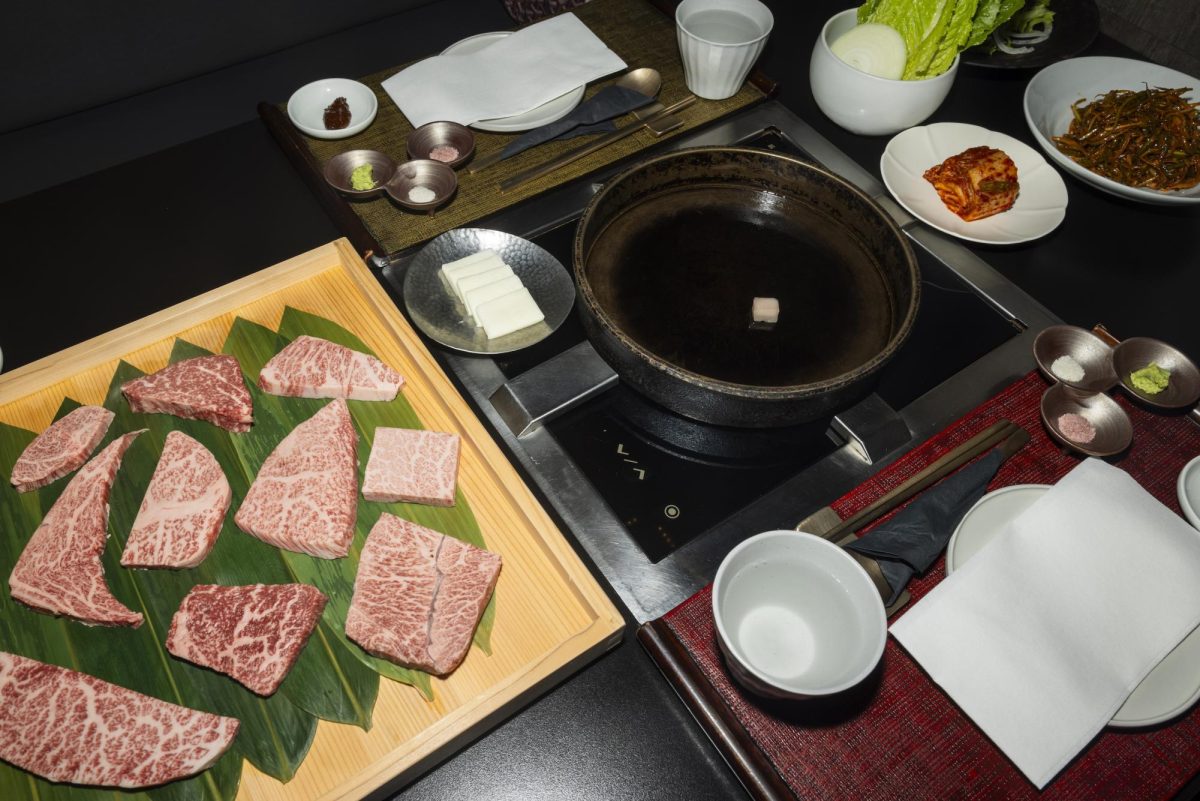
(515, 74)
(1043, 634)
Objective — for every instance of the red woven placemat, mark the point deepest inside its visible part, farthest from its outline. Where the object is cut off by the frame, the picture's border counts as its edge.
(898, 736)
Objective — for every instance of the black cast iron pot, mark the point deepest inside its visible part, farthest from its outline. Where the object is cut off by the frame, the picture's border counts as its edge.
(670, 254)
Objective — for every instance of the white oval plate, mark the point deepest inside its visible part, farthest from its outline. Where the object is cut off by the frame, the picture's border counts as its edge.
(306, 107)
(1041, 204)
(546, 113)
(1049, 96)
(1167, 691)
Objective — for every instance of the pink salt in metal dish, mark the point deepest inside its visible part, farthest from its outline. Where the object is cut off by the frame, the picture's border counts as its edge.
(1076, 428)
(444, 153)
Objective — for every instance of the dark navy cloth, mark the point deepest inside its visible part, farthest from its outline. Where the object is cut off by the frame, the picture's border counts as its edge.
(593, 115)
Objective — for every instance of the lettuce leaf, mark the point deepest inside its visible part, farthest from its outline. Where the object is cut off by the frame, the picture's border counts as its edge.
(935, 31)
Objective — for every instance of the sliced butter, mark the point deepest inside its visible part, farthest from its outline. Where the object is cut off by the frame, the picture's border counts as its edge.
(508, 313)
(451, 268)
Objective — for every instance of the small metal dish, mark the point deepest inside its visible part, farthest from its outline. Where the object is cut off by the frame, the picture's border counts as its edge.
(1114, 431)
(423, 141)
(422, 173)
(1091, 352)
(338, 169)
(1183, 387)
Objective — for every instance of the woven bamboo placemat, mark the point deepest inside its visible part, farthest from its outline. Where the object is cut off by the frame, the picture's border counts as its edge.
(641, 34)
(897, 735)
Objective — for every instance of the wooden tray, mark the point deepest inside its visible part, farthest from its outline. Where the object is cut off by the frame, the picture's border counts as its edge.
(552, 616)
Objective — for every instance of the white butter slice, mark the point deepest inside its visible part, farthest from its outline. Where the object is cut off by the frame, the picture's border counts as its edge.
(473, 298)
(451, 268)
(508, 313)
(477, 269)
(464, 285)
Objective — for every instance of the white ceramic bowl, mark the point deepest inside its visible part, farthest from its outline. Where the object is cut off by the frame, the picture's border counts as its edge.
(796, 616)
(1049, 96)
(865, 104)
(1188, 488)
(306, 107)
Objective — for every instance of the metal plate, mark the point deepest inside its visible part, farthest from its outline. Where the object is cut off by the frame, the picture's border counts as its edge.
(439, 314)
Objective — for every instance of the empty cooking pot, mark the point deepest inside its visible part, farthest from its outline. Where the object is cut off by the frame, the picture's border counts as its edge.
(670, 254)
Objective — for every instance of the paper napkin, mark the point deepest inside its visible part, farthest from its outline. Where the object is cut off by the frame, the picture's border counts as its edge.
(515, 74)
(1043, 634)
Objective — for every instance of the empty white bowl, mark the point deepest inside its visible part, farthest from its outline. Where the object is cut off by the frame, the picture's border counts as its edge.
(306, 107)
(862, 103)
(796, 616)
(1188, 488)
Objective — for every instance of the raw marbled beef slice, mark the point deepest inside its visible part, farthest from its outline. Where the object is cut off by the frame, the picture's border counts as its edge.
(61, 448)
(60, 570)
(412, 466)
(305, 496)
(67, 726)
(419, 595)
(253, 633)
(182, 510)
(317, 368)
(208, 388)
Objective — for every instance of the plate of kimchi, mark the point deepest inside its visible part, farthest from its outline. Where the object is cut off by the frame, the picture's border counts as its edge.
(973, 183)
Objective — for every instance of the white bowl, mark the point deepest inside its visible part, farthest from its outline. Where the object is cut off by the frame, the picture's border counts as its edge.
(1188, 488)
(862, 103)
(796, 616)
(1049, 96)
(306, 107)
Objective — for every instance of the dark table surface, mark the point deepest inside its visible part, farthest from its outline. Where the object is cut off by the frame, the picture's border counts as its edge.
(109, 248)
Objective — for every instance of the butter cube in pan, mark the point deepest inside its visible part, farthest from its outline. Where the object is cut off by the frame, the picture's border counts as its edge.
(765, 310)
(508, 313)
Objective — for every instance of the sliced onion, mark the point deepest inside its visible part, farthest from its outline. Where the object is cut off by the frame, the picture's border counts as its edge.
(874, 48)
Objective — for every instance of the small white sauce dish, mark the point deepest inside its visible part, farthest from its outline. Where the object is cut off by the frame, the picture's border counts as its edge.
(306, 107)
(1188, 488)
(796, 617)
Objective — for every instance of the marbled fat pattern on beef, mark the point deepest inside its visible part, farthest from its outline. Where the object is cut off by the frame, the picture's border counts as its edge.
(252, 633)
(60, 570)
(413, 466)
(317, 368)
(418, 595)
(67, 726)
(305, 496)
(61, 448)
(208, 388)
(182, 510)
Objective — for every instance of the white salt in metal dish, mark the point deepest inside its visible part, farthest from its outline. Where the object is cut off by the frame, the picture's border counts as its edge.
(1167, 691)
(440, 315)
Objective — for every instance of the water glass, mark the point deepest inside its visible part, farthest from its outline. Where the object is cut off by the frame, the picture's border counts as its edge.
(719, 41)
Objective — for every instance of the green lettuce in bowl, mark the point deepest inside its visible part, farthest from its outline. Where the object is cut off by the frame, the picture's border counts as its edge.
(935, 31)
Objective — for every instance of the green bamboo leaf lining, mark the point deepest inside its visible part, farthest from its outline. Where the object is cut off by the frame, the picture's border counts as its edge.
(334, 679)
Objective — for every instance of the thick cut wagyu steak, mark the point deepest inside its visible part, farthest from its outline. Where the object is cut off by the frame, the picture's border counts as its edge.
(60, 571)
(412, 466)
(418, 595)
(61, 448)
(208, 388)
(182, 510)
(310, 367)
(305, 496)
(253, 633)
(67, 726)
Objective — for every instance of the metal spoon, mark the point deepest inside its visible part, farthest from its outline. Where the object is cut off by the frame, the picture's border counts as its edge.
(644, 80)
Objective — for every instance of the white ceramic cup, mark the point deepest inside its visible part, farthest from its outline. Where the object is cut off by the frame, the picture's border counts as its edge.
(719, 41)
(863, 103)
(796, 616)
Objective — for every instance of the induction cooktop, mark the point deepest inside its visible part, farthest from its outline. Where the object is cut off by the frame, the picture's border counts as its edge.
(656, 499)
